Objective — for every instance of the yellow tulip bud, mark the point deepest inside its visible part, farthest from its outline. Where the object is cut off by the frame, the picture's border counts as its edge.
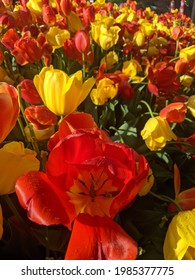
(15, 160)
(60, 93)
(156, 133)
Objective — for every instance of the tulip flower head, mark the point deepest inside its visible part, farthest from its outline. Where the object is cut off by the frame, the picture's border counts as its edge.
(106, 89)
(82, 182)
(156, 133)
(174, 112)
(60, 93)
(9, 109)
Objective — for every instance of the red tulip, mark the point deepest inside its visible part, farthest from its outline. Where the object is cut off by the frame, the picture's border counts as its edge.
(99, 180)
(49, 15)
(40, 116)
(71, 124)
(9, 38)
(88, 15)
(64, 7)
(29, 92)
(174, 112)
(9, 109)
(158, 82)
(82, 41)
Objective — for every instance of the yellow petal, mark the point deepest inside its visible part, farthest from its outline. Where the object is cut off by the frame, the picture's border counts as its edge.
(15, 160)
(179, 241)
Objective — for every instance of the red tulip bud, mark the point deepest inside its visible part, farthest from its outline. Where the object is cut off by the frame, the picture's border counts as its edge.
(82, 41)
(65, 6)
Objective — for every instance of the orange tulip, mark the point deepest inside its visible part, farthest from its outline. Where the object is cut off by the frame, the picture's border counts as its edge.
(9, 109)
(185, 199)
(174, 112)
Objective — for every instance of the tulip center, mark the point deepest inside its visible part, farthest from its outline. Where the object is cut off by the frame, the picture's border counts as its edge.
(93, 192)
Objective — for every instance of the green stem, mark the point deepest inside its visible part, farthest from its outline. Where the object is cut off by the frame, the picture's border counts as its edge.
(166, 199)
(189, 120)
(22, 128)
(148, 106)
(176, 48)
(32, 135)
(116, 130)
(15, 212)
(83, 62)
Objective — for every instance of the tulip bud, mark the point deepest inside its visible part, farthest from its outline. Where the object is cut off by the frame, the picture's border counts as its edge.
(82, 41)
(29, 92)
(49, 16)
(40, 116)
(64, 6)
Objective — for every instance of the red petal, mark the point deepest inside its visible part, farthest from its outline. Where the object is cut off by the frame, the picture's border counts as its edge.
(46, 204)
(153, 89)
(73, 150)
(99, 238)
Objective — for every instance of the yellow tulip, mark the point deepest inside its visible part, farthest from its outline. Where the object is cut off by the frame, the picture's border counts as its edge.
(139, 38)
(104, 34)
(106, 89)
(131, 68)
(60, 93)
(1, 223)
(110, 59)
(191, 105)
(179, 240)
(14, 161)
(40, 134)
(162, 27)
(121, 18)
(188, 53)
(146, 27)
(186, 80)
(74, 22)
(57, 36)
(156, 133)
(35, 6)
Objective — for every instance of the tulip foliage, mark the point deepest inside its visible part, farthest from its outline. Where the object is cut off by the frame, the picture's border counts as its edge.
(97, 131)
